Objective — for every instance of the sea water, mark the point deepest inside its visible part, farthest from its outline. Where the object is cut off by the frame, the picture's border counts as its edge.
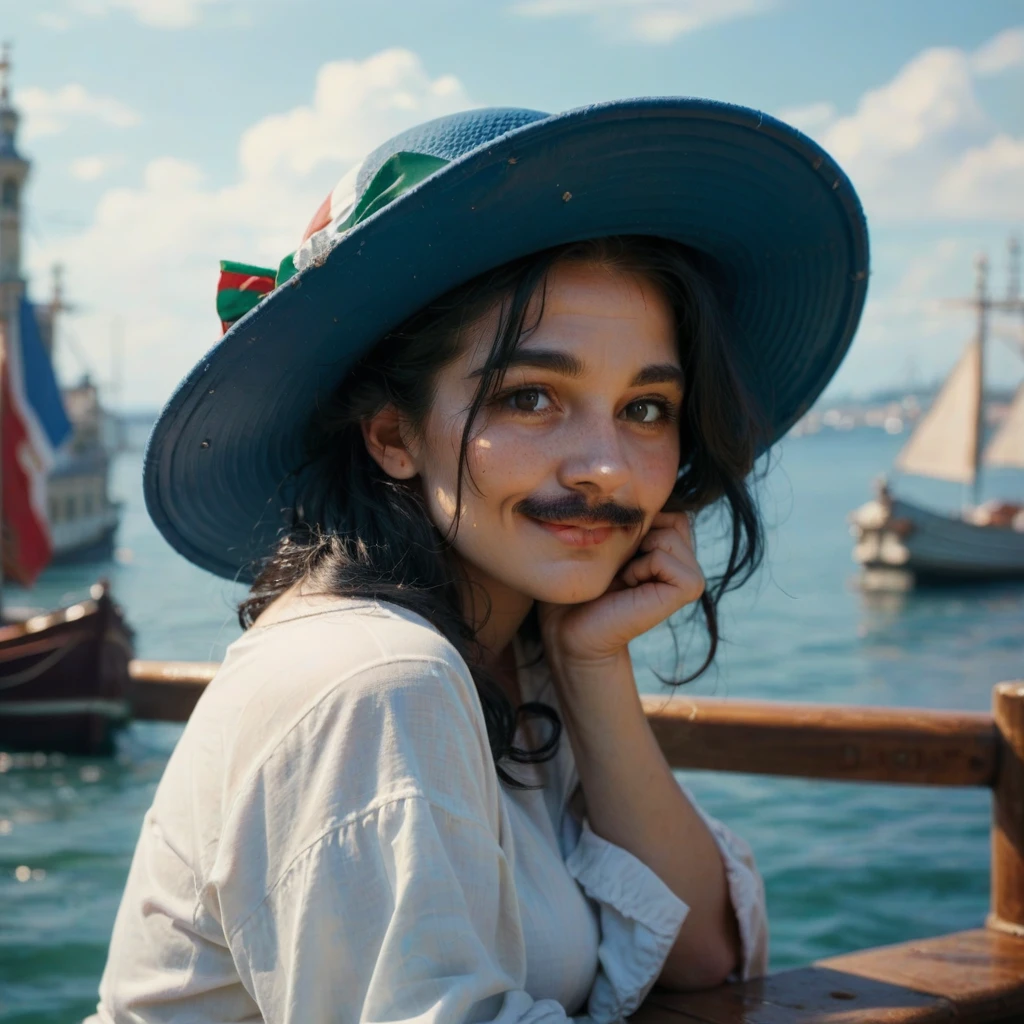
(846, 865)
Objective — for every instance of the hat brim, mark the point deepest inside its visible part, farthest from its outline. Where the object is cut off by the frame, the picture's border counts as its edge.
(765, 203)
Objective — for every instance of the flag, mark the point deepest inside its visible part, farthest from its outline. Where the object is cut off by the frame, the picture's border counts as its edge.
(33, 426)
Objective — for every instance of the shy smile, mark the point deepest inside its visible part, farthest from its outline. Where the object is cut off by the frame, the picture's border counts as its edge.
(574, 535)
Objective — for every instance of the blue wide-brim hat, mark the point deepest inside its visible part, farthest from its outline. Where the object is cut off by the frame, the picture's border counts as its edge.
(443, 202)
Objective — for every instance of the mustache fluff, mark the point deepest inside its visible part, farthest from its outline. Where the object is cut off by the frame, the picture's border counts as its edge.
(575, 506)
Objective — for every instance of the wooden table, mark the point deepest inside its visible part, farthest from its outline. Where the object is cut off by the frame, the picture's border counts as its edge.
(967, 976)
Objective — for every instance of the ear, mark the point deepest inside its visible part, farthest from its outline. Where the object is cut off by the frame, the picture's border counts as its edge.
(387, 446)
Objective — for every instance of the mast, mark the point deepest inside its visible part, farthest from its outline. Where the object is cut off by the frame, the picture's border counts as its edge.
(7, 127)
(1013, 275)
(55, 306)
(1014, 303)
(984, 305)
(981, 305)
(3, 373)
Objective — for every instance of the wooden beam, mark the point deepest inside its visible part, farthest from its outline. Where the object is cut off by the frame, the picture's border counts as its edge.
(167, 691)
(806, 995)
(821, 741)
(981, 972)
(1008, 812)
(972, 976)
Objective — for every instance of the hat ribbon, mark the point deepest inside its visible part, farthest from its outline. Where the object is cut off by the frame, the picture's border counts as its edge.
(243, 286)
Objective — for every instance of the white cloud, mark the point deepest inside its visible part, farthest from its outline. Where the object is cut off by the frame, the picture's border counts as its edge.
(53, 21)
(646, 21)
(49, 113)
(910, 309)
(921, 146)
(387, 91)
(151, 253)
(911, 332)
(812, 118)
(91, 168)
(929, 108)
(986, 183)
(926, 158)
(999, 54)
(155, 13)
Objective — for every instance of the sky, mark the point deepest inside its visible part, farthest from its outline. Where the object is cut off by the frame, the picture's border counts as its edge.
(166, 135)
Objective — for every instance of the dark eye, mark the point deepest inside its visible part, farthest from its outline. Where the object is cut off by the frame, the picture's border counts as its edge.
(644, 411)
(529, 400)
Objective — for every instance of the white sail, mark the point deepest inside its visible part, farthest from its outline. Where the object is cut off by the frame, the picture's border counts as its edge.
(944, 443)
(1007, 447)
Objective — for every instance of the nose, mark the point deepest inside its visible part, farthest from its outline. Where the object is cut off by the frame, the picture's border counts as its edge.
(594, 461)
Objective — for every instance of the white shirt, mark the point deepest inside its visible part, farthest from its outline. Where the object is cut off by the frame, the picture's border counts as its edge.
(330, 842)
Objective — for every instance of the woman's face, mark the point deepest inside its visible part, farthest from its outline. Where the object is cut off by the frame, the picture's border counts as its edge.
(571, 460)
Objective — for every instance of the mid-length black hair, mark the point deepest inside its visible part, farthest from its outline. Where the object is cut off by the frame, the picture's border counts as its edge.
(356, 532)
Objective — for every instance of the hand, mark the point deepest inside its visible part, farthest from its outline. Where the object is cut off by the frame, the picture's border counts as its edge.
(659, 580)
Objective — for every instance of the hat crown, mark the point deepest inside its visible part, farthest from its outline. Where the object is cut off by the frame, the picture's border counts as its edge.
(448, 137)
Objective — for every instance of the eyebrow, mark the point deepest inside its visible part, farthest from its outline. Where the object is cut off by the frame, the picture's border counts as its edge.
(567, 365)
(659, 373)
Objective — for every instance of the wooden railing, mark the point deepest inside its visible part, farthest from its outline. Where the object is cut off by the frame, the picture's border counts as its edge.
(969, 976)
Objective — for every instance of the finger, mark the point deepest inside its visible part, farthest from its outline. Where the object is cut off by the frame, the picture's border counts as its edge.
(681, 522)
(661, 566)
(671, 541)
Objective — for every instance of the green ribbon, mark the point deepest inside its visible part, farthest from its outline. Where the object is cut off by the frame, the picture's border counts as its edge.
(399, 173)
(233, 301)
(396, 175)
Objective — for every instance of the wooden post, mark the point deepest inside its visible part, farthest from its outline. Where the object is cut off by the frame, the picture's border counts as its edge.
(1007, 913)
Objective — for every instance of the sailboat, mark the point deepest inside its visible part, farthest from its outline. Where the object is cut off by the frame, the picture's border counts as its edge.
(63, 673)
(984, 541)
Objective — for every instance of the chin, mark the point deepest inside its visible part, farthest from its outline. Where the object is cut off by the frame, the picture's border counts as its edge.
(572, 587)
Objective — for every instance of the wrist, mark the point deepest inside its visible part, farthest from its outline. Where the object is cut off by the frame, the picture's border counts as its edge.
(601, 709)
(597, 689)
(572, 671)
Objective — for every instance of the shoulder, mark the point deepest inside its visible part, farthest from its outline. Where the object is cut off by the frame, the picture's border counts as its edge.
(319, 643)
(318, 724)
(340, 678)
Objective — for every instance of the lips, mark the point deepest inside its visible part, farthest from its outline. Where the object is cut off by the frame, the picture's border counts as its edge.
(575, 535)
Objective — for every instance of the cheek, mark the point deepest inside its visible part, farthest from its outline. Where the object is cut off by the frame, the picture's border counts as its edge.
(438, 463)
(499, 466)
(655, 470)
(502, 462)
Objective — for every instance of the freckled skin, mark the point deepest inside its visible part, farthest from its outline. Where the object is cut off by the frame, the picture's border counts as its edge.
(575, 434)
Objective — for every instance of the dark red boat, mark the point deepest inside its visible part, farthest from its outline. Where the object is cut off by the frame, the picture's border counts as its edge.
(64, 678)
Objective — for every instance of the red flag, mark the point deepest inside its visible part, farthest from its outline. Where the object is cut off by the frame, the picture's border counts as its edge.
(32, 428)
(26, 536)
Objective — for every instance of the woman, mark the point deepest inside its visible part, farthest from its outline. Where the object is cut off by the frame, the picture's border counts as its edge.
(456, 450)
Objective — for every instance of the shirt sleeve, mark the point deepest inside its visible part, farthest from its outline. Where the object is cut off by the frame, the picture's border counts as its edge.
(641, 916)
(640, 919)
(376, 839)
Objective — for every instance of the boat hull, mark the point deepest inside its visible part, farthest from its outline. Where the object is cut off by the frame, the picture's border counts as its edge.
(64, 679)
(898, 535)
(87, 539)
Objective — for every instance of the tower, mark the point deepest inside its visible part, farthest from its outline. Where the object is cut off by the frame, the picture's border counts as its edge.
(13, 172)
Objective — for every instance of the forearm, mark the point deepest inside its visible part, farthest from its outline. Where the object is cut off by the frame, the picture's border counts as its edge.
(634, 801)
